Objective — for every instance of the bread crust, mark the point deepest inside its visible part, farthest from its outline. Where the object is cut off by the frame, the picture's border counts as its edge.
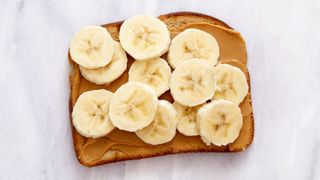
(174, 21)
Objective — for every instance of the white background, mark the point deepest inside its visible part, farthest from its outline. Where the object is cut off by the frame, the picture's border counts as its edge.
(283, 41)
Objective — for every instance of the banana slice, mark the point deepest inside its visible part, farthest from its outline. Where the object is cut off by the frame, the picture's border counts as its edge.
(133, 106)
(219, 122)
(231, 83)
(111, 71)
(90, 113)
(155, 73)
(193, 43)
(144, 37)
(192, 83)
(187, 123)
(92, 47)
(163, 127)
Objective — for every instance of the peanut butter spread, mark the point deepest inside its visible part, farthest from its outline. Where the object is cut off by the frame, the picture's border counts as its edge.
(121, 145)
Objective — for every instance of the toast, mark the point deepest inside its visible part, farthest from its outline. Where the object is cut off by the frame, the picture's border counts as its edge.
(120, 145)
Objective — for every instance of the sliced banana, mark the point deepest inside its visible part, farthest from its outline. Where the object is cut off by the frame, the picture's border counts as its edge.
(90, 113)
(133, 106)
(111, 71)
(186, 118)
(219, 122)
(231, 83)
(92, 47)
(144, 37)
(155, 73)
(163, 127)
(192, 83)
(193, 43)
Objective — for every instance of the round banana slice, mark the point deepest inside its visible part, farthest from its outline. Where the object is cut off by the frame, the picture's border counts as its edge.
(90, 113)
(231, 83)
(92, 47)
(155, 73)
(133, 106)
(219, 122)
(144, 37)
(110, 72)
(186, 118)
(192, 83)
(163, 127)
(193, 43)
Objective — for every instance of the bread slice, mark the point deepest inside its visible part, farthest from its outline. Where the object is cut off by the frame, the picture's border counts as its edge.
(120, 145)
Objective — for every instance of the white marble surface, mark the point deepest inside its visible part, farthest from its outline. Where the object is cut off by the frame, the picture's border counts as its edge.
(283, 41)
